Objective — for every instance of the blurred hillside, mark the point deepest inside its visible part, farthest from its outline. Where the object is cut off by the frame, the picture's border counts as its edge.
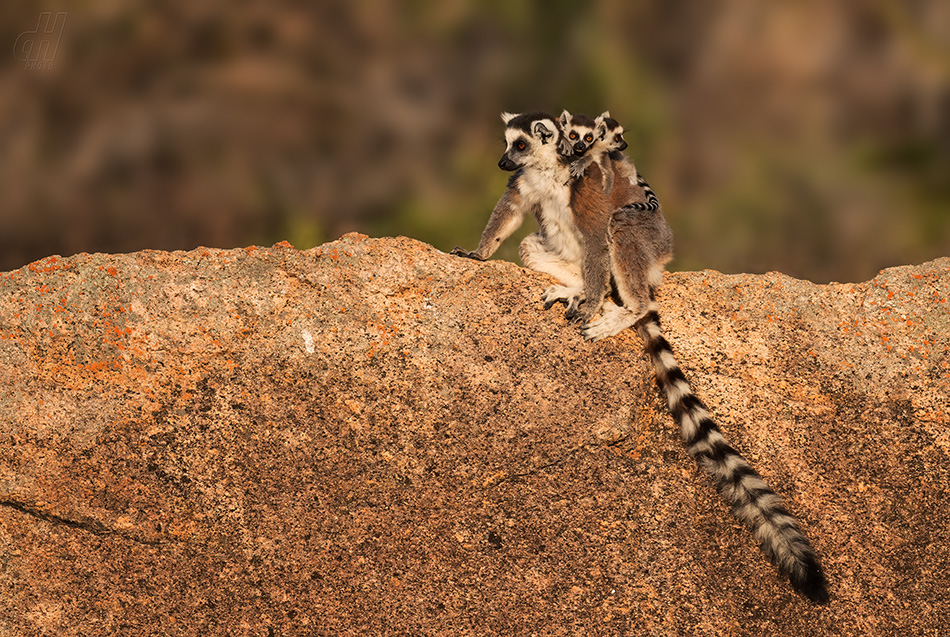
(807, 137)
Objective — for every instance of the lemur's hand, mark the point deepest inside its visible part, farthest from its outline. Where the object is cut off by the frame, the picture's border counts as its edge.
(572, 297)
(459, 252)
(579, 167)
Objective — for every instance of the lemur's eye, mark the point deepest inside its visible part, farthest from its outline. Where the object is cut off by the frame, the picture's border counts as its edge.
(618, 138)
(573, 135)
(588, 138)
(520, 145)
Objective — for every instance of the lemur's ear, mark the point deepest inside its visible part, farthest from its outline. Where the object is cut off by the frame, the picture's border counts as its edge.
(600, 131)
(542, 131)
(605, 115)
(507, 117)
(565, 118)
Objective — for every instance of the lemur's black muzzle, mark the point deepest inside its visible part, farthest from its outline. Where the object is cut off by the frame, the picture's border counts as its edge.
(505, 163)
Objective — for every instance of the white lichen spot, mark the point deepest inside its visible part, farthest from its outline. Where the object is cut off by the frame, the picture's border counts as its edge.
(308, 341)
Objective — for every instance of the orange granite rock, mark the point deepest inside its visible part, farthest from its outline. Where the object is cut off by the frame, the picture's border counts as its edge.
(375, 438)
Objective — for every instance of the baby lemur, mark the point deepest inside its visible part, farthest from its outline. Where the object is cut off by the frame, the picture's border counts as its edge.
(601, 232)
(605, 144)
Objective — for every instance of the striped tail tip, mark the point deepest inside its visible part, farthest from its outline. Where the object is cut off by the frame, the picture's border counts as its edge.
(810, 582)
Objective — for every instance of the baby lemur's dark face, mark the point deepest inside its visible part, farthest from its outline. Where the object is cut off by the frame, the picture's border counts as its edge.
(614, 135)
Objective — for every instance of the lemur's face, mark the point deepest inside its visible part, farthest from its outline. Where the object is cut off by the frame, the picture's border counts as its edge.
(530, 140)
(578, 133)
(579, 139)
(614, 137)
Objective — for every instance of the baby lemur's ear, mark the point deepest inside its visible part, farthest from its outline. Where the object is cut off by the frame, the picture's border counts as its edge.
(507, 117)
(565, 118)
(600, 128)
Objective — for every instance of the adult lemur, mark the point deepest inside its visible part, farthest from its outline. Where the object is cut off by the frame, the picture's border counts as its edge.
(600, 231)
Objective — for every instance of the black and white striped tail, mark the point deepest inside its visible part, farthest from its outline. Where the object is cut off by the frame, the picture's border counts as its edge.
(752, 501)
(652, 203)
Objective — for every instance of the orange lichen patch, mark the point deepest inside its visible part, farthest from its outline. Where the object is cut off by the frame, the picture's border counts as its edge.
(111, 355)
(49, 264)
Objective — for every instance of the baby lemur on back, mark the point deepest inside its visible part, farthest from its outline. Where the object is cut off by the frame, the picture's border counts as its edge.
(605, 146)
(600, 232)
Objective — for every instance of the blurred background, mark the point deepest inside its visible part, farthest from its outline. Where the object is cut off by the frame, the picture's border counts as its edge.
(809, 137)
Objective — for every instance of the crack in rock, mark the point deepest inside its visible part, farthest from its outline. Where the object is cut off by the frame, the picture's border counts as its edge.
(92, 526)
(510, 476)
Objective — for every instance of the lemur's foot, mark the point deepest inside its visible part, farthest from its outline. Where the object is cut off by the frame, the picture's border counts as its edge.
(614, 320)
(582, 314)
(570, 296)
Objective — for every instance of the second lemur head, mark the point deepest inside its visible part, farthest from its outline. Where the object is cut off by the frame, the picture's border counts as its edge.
(613, 133)
(578, 133)
(532, 141)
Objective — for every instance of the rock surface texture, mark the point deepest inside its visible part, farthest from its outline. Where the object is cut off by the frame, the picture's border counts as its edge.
(375, 438)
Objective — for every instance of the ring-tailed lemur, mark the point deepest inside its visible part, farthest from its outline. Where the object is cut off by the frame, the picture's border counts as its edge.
(539, 187)
(577, 134)
(598, 242)
(639, 244)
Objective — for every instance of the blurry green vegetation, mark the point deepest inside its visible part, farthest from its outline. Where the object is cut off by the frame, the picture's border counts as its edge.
(809, 137)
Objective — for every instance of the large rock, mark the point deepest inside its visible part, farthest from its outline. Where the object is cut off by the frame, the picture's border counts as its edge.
(375, 438)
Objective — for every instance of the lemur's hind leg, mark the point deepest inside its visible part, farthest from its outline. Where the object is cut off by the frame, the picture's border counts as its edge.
(536, 255)
(637, 259)
(615, 319)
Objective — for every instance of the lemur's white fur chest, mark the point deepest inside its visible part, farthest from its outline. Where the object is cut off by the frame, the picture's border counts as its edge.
(544, 190)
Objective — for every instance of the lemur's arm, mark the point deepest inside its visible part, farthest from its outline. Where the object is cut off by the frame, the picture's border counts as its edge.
(579, 166)
(507, 217)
